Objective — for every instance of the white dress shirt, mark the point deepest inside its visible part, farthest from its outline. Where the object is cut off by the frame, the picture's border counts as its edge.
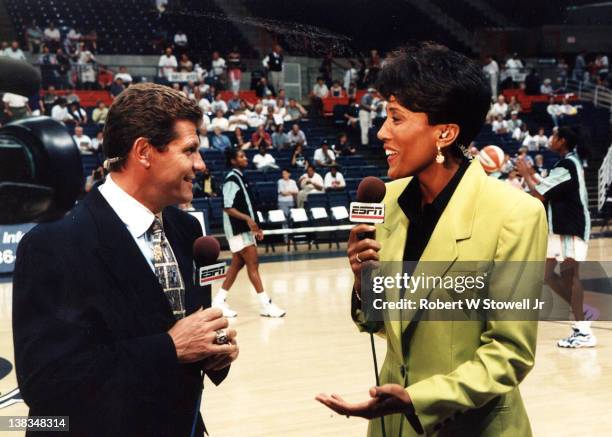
(136, 217)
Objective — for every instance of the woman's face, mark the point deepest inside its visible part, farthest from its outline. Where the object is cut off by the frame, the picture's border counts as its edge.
(409, 140)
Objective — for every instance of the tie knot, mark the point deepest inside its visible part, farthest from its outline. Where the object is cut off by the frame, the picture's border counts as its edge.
(156, 226)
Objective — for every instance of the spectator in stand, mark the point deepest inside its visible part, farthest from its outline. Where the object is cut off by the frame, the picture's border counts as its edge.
(82, 141)
(579, 67)
(530, 143)
(326, 68)
(519, 134)
(185, 63)
(280, 112)
(49, 100)
(374, 63)
(234, 69)
(261, 138)
(218, 104)
(350, 75)
(203, 102)
(514, 122)
(47, 64)
(294, 111)
(167, 63)
(343, 147)
(334, 181)
(87, 70)
(546, 87)
(181, 42)
(218, 69)
(263, 160)
(60, 112)
(256, 118)
(270, 123)
(287, 192)
(365, 115)
(280, 140)
(98, 141)
(73, 38)
(351, 114)
(100, 113)
(324, 156)
(15, 106)
(78, 114)
(34, 37)
(219, 121)
(91, 39)
(240, 143)
(206, 185)
(297, 135)
(282, 95)
(239, 120)
(491, 70)
(319, 92)
(234, 103)
(202, 135)
(499, 125)
(567, 108)
(220, 141)
(532, 83)
(35, 103)
(541, 139)
(336, 90)
(64, 67)
(309, 183)
(351, 92)
(273, 65)
(263, 88)
(554, 110)
(538, 166)
(52, 36)
(117, 87)
(500, 107)
(514, 66)
(298, 160)
(602, 66)
(14, 52)
(514, 105)
(379, 106)
(268, 101)
(125, 77)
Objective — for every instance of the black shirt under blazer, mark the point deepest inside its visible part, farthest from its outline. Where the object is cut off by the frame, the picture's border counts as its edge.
(90, 324)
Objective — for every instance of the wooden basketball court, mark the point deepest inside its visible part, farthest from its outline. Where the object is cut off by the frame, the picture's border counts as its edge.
(316, 348)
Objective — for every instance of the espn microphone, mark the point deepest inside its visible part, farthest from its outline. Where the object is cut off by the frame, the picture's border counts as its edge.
(369, 207)
(205, 253)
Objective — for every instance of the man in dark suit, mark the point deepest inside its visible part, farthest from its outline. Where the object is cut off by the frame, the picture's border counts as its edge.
(109, 328)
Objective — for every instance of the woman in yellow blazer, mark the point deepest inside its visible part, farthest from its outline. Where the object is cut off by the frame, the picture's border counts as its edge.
(455, 378)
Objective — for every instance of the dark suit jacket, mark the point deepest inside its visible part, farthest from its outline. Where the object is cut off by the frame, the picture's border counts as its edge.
(90, 324)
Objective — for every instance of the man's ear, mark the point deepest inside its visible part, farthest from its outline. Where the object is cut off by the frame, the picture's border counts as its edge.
(447, 134)
(141, 151)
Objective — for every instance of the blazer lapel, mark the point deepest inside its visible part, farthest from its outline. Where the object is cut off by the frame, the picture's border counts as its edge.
(126, 264)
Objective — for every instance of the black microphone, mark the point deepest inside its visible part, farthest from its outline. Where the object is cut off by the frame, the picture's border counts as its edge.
(369, 207)
(205, 254)
(18, 77)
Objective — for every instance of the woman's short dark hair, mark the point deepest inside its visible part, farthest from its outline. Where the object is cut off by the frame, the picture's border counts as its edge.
(444, 84)
(230, 153)
(570, 137)
(145, 110)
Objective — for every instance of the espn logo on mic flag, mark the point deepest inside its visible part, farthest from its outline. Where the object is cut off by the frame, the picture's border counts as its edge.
(367, 212)
(212, 273)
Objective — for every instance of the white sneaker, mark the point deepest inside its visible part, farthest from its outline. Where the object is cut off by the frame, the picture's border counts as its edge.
(577, 340)
(271, 310)
(223, 306)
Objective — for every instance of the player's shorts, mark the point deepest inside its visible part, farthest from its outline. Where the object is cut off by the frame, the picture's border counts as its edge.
(240, 241)
(561, 247)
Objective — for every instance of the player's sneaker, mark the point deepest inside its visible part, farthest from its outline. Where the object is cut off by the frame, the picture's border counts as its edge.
(223, 306)
(271, 310)
(577, 340)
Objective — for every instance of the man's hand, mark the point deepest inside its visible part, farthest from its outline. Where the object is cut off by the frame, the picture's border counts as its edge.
(523, 167)
(194, 336)
(386, 399)
(218, 362)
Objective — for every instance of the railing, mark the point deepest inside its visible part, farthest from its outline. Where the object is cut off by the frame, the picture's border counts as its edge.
(599, 95)
(605, 179)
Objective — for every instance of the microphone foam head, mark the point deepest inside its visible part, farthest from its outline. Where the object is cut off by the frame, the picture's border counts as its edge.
(206, 250)
(371, 190)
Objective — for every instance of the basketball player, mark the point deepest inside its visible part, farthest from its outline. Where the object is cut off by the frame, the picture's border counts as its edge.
(241, 231)
(569, 229)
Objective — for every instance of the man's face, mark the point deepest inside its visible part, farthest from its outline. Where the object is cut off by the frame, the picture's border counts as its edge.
(241, 160)
(15, 45)
(78, 131)
(168, 51)
(295, 128)
(286, 175)
(172, 171)
(310, 172)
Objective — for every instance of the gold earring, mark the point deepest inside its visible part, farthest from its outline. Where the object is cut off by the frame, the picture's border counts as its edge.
(440, 157)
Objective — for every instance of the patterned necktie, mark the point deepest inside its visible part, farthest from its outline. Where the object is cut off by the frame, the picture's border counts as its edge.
(167, 270)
